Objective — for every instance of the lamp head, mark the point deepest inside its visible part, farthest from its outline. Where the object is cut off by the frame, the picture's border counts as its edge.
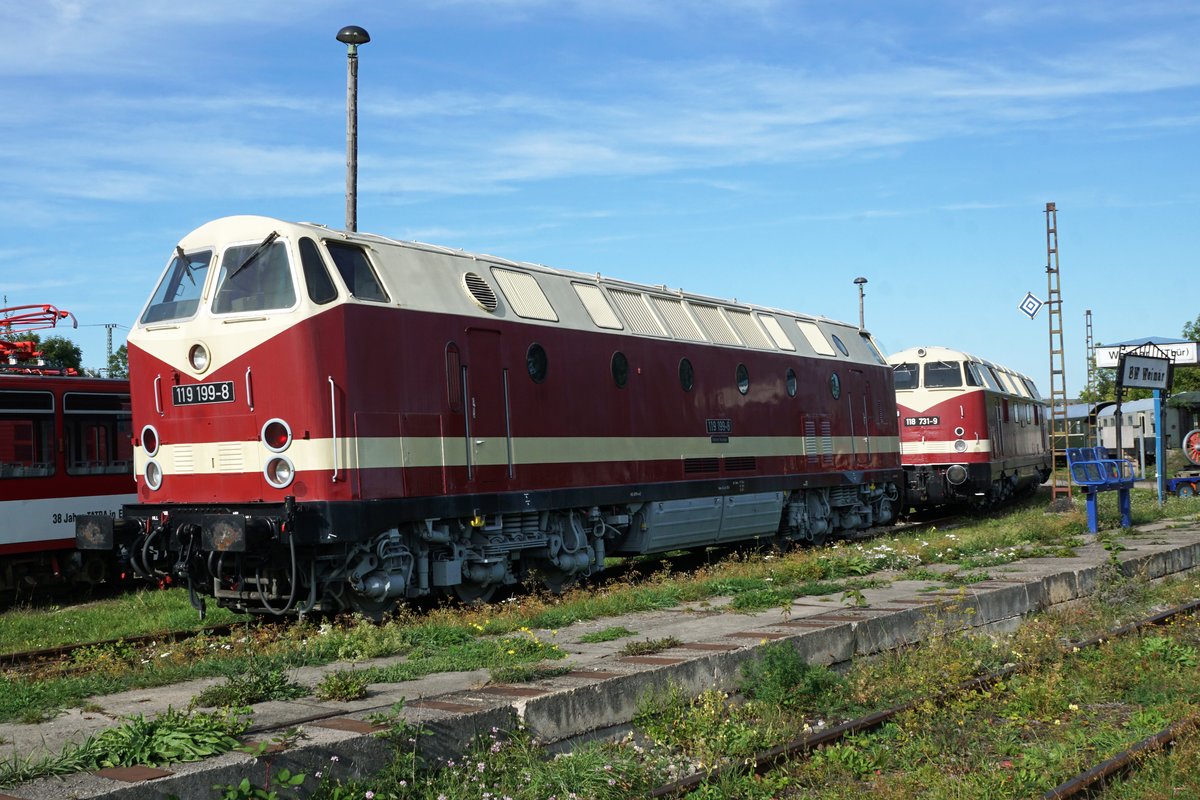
(353, 36)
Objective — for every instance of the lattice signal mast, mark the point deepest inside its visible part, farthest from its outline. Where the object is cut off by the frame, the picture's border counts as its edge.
(1058, 370)
(1091, 376)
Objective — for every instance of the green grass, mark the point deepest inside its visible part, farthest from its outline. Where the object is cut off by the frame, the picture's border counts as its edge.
(138, 613)
(452, 638)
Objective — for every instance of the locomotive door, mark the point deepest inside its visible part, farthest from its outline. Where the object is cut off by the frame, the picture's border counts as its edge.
(485, 384)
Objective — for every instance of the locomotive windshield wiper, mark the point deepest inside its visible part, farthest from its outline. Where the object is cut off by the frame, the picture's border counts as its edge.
(187, 266)
(272, 236)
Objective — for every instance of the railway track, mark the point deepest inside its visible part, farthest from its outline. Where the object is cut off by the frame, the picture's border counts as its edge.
(33, 659)
(1079, 786)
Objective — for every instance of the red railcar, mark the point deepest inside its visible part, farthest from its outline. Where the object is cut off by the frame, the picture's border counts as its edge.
(970, 431)
(65, 451)
(327, 419)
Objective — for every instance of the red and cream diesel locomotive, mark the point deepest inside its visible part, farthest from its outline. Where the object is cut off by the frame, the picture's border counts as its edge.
(971, 431)
(327, 420)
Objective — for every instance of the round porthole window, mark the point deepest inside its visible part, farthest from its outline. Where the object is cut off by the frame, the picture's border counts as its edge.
(743, 378)
(835, 386)
(620, 369)
(536, 362)
(687, 377)
(791, 382)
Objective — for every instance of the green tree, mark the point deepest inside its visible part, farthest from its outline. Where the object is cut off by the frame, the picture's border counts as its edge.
(118, 363)
(60, 351)
(1187, 379)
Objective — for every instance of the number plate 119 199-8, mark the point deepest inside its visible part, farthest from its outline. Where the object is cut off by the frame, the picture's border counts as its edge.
(196, 393)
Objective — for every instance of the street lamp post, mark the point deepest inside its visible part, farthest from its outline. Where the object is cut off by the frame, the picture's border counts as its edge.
(860, 283)
(352, 36)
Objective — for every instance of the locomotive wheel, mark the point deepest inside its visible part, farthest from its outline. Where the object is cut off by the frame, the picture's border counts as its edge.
(374, 610)
(474, 593)
(1191, 446)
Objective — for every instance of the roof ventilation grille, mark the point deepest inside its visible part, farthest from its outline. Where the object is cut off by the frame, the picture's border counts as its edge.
(481, 293)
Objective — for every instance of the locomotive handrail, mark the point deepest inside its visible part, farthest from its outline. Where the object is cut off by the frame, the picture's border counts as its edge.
(333, 412)
(158, 395)
(249, 391)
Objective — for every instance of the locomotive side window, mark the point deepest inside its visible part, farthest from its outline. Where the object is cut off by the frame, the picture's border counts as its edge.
(791, 382)
(620, 369)
(907, 376)
(943, 374)
(972, 374)
(356, 271)
(26, 434)
(536, 362)
(316, 277)
(840, 344)
(743, 378)
(254, 278)
(98, 428)
(874, 348)
(178, 293)
(687, 376)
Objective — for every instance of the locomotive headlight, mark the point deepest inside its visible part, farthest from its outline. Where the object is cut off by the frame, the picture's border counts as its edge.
(150, 440)
(198, 357)
(279, 471)
(153, 475)
(276, 435)
(960, 446)
(959, 431)
(956, 474)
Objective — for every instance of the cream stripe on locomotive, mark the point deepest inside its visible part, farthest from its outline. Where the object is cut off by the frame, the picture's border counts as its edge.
(214, 458)
(944, 446)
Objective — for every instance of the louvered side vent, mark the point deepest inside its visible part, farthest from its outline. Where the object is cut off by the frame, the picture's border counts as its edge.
(810, 441)
(826, 443)
(183, 459)
(716, 326)
(694, 465)
(637, 312)
(746, 327)
(524, 295)
(480, 292)
(681, 325)
(741, 464)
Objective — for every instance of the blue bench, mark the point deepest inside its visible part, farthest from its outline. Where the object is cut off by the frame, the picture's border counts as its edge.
(1095, 472)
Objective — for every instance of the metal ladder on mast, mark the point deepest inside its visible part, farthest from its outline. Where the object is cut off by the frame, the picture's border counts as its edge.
(1059, 434)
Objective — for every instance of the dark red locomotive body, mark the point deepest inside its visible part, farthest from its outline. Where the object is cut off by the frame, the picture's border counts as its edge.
(971, 431)
(327, 419)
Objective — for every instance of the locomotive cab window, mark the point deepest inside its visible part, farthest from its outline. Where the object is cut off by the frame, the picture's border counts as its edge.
(316, 277)
(907, 376)
(178, 293)
(743, 378)
(687, 375)
(356, 271)
(255, 277)
(943, 374)
(972, 373)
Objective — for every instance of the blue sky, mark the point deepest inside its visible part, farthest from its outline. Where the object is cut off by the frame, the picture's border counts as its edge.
(766, 150)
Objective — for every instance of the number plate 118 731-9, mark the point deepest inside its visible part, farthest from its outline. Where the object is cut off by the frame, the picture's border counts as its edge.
(195, 393)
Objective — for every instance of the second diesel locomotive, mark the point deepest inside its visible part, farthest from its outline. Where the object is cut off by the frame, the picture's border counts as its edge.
(327, 419)
(971, 432)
